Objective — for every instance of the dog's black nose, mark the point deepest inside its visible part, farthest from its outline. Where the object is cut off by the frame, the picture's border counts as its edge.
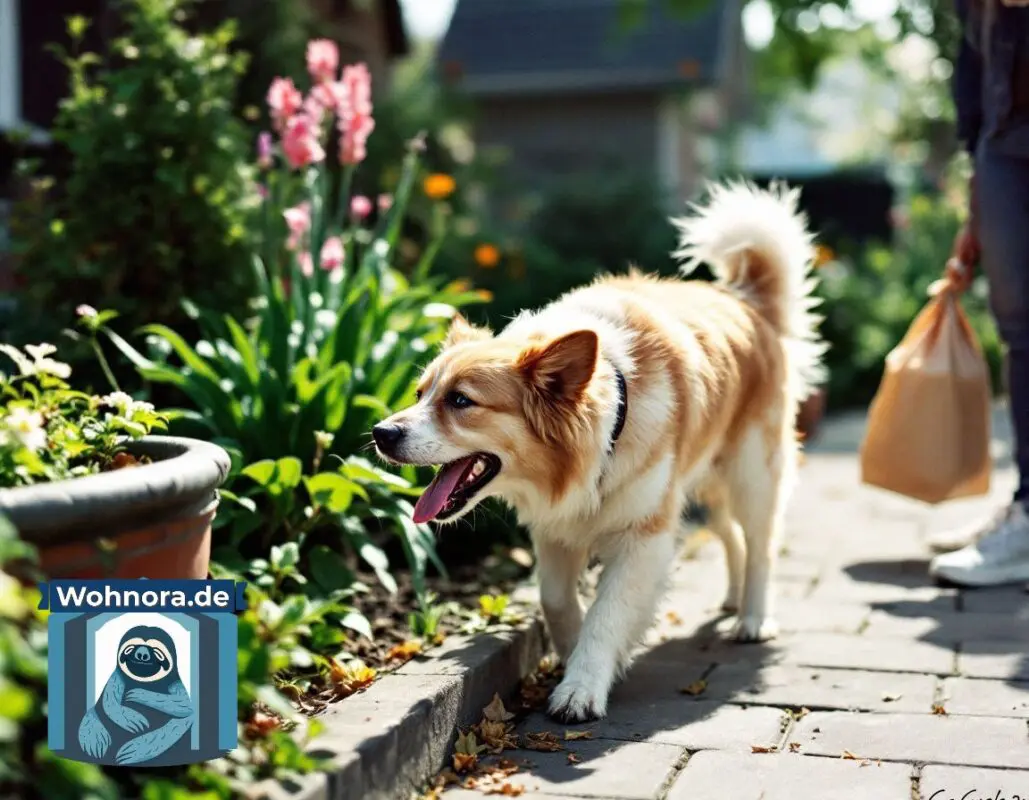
(386, 436)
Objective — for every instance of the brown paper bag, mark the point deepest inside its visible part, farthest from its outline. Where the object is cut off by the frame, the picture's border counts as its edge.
(928, 431)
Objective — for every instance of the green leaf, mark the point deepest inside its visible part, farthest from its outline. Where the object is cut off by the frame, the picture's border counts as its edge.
(328, 569)
(188, 355)
(276, 476)
(332, 491)
(376, 558)
(357, 621)
(286, 556)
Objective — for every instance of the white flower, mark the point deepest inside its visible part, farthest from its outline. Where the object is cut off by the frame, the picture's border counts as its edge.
(38, 351)
(41, 363)
(27, 428)
(118, 400)
(86, 311)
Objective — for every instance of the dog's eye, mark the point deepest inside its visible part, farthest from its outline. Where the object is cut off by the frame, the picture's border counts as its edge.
(418, 394)
(458, 400)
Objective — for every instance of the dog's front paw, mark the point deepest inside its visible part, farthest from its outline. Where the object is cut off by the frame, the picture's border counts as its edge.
(576, 701)
(755, 629)
(733, 600)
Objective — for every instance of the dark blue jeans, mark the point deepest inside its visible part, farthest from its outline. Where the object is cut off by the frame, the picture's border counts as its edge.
(1003, 191)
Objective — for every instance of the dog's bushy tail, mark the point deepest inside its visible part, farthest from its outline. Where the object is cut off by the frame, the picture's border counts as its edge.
(756, 242)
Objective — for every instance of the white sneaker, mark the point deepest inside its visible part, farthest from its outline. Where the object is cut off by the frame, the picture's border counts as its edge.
(999, 555)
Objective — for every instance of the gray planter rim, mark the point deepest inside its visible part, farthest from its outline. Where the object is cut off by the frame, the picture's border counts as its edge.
(182, 481)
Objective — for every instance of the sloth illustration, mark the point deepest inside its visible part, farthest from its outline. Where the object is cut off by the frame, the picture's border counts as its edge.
(144, 710)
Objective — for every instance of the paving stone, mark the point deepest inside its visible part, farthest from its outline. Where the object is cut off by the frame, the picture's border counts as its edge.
(986, 698)
(840, 588)
(864, 652)
(659, 712)
(976, 741)
(815, 687)
(623, 770)
(972, 783)
(788, 777)
(1004, 600)
(948, 628)
(986, 659)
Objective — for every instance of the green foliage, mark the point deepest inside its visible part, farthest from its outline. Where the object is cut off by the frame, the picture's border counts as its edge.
(155, 202)
(49, 432)
(871, 300)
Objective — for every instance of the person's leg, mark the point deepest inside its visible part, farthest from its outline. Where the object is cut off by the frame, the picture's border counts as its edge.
(1000, 553)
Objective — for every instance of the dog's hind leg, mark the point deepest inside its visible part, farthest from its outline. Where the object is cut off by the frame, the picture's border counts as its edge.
(761, 476)
(721, 522)
(627, 595)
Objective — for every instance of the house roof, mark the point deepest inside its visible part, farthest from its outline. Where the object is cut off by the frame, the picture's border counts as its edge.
(530, 46)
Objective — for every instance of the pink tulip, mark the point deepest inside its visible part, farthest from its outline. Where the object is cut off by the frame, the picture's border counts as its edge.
(355, 114)
(322, 59)
(329, 95)
(300, 142)
(306, 264)
(332, 254)
(284, 100)
(298, 220)
(385, 202)
(360, 206)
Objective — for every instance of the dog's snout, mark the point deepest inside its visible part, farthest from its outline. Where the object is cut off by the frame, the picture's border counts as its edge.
(387, 436)
(142, 653)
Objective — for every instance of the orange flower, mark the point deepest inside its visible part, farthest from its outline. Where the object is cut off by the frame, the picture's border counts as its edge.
(487, 256)
(439, 186)
(823, 255)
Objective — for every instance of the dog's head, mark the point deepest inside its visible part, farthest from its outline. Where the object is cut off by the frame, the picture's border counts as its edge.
(502, 416)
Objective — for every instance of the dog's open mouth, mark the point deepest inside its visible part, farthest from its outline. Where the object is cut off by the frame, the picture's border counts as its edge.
(455, 484)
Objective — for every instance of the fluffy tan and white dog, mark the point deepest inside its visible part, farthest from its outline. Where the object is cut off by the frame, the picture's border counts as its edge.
(598, 416)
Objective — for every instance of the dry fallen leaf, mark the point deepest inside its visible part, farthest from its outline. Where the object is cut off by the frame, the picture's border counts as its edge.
(495, 711)
(673, 618)
(890, 697)
(939, 710)
(760, 748)
(865, 762)
(404, 651)
(348, 679)
(573, 759)
(545, 742)
(465, 762)
(850, 756)
(506, 789)
(571, 736)
(695, 688)
(802, 713)
(794, 747)
(497, 736)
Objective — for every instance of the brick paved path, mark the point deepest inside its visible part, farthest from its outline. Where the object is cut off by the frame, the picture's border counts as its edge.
(869, 647)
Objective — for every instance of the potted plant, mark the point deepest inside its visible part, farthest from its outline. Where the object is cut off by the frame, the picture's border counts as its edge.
(83, 480)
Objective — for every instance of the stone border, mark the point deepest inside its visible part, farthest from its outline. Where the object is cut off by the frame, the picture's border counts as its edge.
(386, 742)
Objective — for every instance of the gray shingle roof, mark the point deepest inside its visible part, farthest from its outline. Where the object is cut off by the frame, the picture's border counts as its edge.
(525, 46)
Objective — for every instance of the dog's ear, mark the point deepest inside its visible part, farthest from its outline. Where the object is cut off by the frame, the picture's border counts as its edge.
(461, 330)
(562, 369)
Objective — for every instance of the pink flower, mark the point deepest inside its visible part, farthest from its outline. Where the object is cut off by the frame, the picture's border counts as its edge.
(332, 254)
(284, 100)
(385, 202)
(306, 264)
(300, 142)
(355, 114)
(264, 150)
(360, 206)
(329, 95)
(322, 59)
(87, 312)
(298, 220)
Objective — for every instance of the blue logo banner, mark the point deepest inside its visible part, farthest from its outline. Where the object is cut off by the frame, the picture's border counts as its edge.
(142, 672)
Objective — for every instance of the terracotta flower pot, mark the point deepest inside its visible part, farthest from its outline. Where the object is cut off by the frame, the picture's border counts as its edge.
(150, 521)
(810, 414)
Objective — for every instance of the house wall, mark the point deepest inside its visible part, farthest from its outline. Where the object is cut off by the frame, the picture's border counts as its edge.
(559, 136)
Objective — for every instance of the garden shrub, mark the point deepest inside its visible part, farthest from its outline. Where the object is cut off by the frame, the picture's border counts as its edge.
(154, 202)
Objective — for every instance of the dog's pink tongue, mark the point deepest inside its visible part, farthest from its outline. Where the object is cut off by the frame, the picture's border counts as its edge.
(435, 497)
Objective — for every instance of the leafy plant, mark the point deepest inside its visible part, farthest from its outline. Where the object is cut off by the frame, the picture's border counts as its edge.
(335, 344)
(155, 199)
(49, 432)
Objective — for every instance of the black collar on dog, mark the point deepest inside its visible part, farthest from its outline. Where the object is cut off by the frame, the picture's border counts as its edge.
(623, 406)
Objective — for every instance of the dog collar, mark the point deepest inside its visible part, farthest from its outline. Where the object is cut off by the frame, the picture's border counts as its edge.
(623, 406)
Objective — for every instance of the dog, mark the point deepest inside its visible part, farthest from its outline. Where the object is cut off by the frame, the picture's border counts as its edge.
(598, 417)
